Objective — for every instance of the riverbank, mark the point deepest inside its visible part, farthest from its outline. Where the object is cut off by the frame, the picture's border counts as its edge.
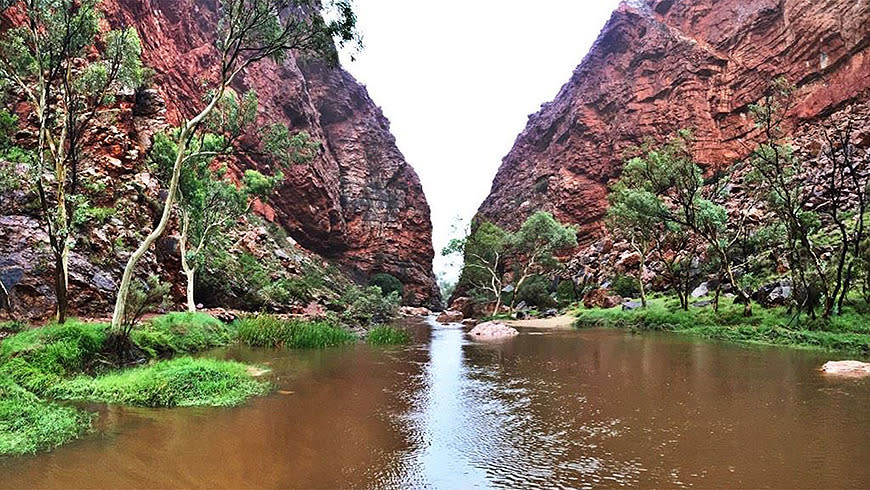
(848, 332)
(46, 371)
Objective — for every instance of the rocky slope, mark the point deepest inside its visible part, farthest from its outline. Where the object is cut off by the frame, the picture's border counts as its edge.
(663, 65)
(358, 204)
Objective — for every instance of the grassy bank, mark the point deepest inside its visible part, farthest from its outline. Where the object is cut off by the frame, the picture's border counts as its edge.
(849, 332)
(42, 368)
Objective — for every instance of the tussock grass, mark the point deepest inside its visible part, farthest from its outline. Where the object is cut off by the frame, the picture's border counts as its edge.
(29, 424)
(386, 335)
(182, 333)
(271, 331)
(849, 332)
(183, 382)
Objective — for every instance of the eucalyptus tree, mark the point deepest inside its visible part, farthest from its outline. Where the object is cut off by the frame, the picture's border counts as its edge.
(53, 59)
(534, 245)
(247, 32)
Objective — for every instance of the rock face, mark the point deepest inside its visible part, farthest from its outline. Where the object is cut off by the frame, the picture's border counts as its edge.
(662, 65)
(359, 203)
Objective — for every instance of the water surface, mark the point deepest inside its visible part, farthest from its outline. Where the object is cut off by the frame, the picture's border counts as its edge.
(560, 409)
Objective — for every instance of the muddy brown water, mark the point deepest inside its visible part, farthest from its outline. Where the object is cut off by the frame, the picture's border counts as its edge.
(554, 409)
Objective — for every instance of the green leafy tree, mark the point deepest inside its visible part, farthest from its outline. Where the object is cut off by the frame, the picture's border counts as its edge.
(534, 245)
(667, 189)
(248, 31)
(210, 205)
(822, 215)
(53, 59)
(635, 215)
(485, 251)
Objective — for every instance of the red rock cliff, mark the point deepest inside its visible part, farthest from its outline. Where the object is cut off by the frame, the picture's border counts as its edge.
(663, 65)
(359, 202)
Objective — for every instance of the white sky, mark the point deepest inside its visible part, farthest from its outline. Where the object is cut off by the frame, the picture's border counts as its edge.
(458, 78)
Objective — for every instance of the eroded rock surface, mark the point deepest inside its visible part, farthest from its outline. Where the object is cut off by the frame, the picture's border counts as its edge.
(663, 65)
(359, 203)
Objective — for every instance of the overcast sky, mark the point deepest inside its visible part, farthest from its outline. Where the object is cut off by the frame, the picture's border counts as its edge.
(458, 79)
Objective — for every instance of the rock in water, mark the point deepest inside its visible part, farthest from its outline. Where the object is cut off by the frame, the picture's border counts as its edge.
(847, 368)
(450, 316)
(493, 331)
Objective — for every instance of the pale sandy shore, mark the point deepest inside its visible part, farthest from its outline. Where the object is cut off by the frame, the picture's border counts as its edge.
(557, 322)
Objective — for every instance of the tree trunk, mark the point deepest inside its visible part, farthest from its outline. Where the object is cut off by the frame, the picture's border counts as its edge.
(191, 304)
(640, 281)
(6, 300)
(61, 287)
(497, 305)
(189, 271)
(127, 278)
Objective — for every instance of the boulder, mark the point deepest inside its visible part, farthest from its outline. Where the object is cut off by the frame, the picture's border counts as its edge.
(411, 311)
(631, 305)
(469, 322)
(850, 369)
(774, 294)
(550, 313)
(702, 304)
(450, 316)
(602, 298)
(463, 304)
(701, 291)
(493, 331)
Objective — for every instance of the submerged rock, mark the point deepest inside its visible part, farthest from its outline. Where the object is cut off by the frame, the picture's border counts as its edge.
(847, 368)
(493, 330)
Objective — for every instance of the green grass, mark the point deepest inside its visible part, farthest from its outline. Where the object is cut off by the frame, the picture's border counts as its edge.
(42, 365)
(271, 331)
(849, 332)
(35, 359)
(29, 424)
(386, 335)
(183, 382)
(182, 333)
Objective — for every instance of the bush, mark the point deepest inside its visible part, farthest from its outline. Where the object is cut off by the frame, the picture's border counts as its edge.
(183, 382)
(625, 286)
(565, 292)
(386, 335)
(179, 333)
(271, 331)
(535, 291)
(388, 284)
(367, 306)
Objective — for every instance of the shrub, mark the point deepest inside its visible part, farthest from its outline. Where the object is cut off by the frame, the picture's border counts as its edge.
(367, 306)
(386, 335)
(145, 297)
(271, 331)
(625, 286)
(388, 284)
(535, 291)
(184, 382)
(565, 292)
